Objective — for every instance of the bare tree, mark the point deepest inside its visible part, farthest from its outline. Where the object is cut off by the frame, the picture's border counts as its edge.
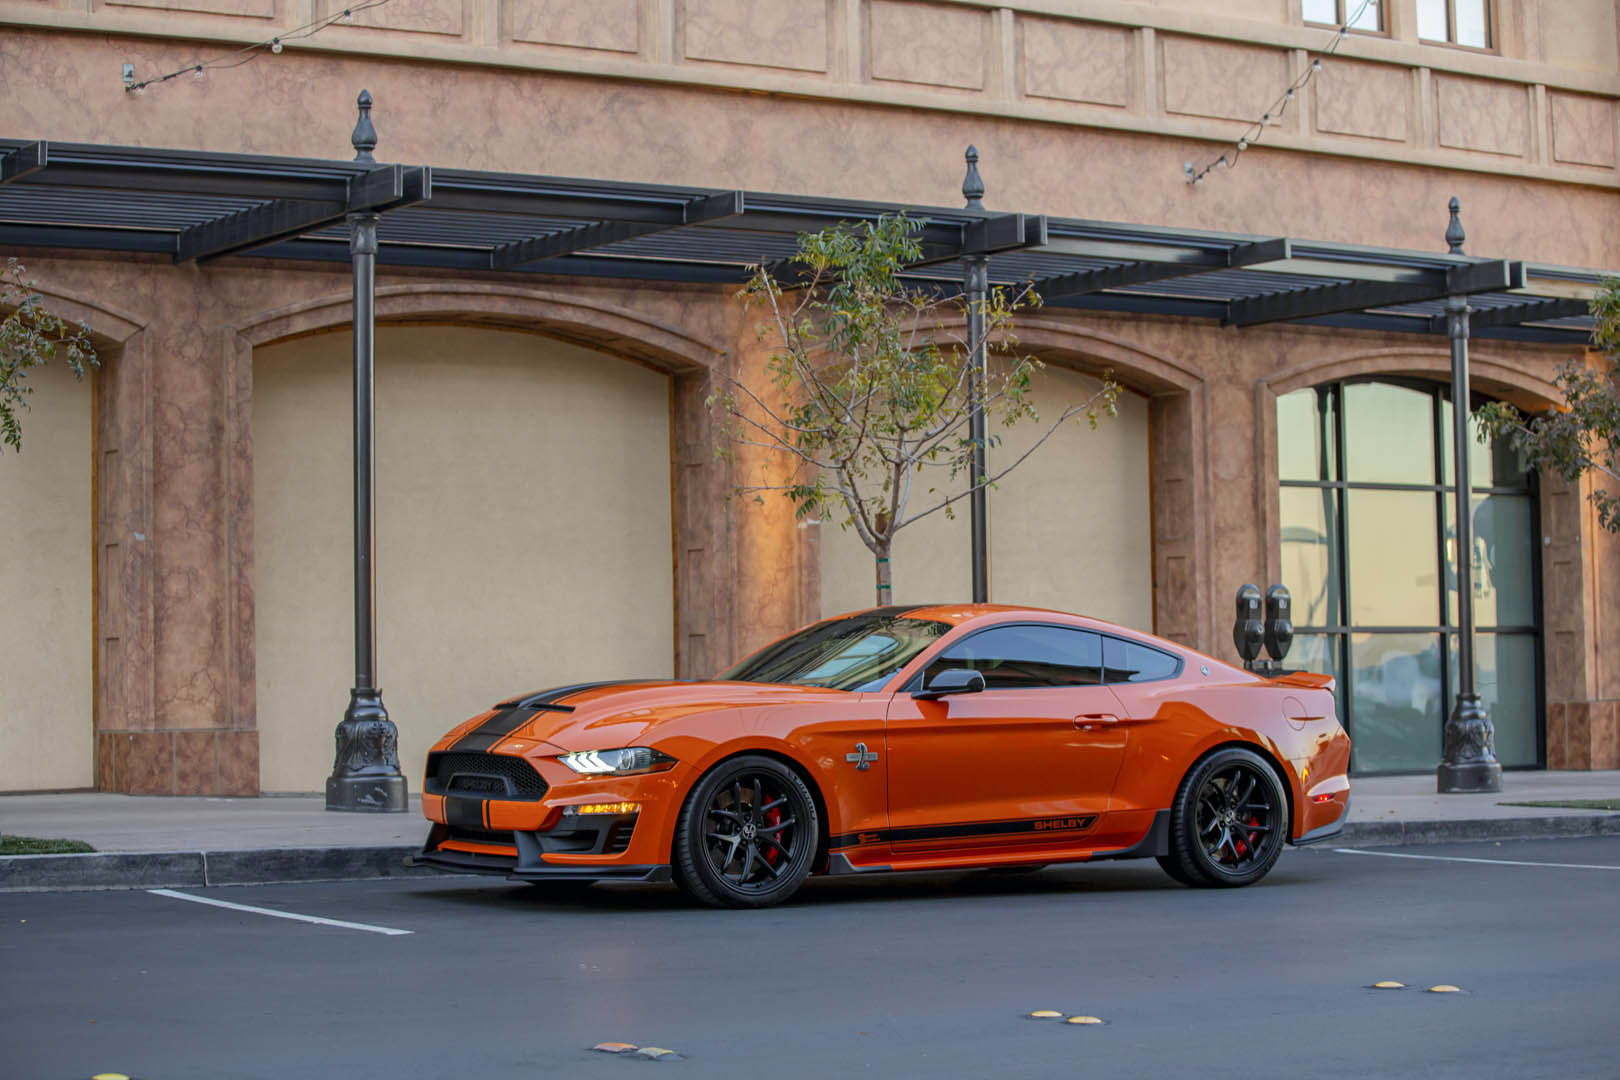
(874, 386)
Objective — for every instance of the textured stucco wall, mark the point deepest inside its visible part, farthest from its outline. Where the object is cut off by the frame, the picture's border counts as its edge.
(45, 593)
(523, 532)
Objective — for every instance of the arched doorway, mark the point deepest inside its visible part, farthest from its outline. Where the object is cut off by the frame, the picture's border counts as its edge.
(1365, 482)
(524, 536)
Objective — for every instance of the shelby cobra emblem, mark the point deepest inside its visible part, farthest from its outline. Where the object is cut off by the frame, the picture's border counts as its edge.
(862, 758)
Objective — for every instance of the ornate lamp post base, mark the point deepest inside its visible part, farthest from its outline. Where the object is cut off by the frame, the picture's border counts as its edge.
(1468, 764)
(365, 775)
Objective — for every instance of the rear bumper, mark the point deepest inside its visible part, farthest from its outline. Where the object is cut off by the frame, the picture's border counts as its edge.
(1328, 831)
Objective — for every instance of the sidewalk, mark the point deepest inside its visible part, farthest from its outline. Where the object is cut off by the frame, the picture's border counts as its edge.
(153, 841)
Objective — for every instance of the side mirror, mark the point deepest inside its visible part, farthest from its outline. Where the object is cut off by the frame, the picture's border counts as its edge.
(951, 681)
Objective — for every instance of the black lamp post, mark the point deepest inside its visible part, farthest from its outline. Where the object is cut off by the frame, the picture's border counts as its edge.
(1468, 762)
(365, 775)
(976, 286)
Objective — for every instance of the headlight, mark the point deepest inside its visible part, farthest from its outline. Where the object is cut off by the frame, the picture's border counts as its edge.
(633, 759)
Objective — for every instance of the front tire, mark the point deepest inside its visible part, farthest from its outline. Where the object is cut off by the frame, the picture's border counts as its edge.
(747, 834)
(1229, 821)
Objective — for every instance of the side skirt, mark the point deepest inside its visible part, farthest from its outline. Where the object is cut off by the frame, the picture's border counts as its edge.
(1155, 842)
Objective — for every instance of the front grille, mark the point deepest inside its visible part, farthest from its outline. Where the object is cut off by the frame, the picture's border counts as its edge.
(483, 776)
(478, 836)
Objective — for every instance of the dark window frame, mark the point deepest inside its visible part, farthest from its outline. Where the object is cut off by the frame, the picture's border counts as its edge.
(1346, 8)
(915, 682)
(1490, 47)
(1330, 411)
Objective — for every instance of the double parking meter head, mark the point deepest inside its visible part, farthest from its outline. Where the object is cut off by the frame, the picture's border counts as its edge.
(1275, 632)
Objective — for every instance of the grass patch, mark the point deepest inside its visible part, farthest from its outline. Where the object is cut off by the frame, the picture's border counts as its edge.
(28, 845)
(1572, 804)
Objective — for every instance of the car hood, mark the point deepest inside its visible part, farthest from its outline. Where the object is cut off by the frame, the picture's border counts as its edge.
(605, 717)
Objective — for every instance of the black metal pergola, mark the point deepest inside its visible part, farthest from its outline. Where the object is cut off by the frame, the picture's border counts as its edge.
(196, 207)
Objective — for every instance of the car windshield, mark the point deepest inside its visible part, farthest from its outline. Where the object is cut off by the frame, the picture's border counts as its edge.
(855, 653)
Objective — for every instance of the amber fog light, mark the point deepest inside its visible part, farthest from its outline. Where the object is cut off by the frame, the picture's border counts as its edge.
(615, 808)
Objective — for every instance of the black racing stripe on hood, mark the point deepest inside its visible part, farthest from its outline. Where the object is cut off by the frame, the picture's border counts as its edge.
(492, 731)
(542, 698)
(513, 714)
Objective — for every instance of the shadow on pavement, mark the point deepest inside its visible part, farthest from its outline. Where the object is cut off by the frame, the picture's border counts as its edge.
(1144, 878)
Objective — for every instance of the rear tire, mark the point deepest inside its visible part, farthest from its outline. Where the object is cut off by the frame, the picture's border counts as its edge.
(1229, 822)
(747, 834)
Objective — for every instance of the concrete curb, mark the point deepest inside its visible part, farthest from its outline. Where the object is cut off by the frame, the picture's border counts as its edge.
(198, 869)
(265, 866)
(1386, 833)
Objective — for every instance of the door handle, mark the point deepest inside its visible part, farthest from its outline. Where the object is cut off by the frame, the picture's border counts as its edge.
(1096, 718)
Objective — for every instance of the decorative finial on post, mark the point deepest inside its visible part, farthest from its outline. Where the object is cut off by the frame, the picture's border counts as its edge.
(1454, 232)
(364, 139)
(972, 185)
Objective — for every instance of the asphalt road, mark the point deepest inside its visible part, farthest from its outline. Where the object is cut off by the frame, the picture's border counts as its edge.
(908, 976)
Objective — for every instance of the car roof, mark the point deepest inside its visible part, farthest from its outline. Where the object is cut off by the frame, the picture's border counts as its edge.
(958, 614)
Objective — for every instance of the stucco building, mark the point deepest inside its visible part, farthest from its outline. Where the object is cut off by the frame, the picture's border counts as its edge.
(174, 545)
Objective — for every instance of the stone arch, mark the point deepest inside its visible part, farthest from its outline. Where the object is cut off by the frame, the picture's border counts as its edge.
(108, 326)
(617, 330)
(1489, 372)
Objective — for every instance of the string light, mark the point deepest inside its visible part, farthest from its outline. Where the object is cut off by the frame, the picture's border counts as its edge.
(1252, 133)
(249, 53)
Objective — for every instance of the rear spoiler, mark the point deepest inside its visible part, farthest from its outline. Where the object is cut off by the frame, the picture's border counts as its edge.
(1303, 680)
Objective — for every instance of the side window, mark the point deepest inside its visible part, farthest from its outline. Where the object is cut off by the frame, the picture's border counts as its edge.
(1021, 657)
(1126, 661)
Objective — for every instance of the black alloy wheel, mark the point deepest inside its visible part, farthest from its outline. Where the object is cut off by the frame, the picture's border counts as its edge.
(747, 834)
(1229, 823)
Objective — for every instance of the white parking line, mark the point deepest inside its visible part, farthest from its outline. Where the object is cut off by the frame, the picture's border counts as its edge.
(274, 914)
(1491, 862)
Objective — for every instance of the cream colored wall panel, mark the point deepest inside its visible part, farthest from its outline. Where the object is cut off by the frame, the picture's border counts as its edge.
(788, 34)
(1072, 61)
(608, 25)
(1369, 100)
(257, 9)
(523, 532)
(46, 547)
(1218, 79)
(930, 44)
(1069, 529)
(930, 563)
(446, 17)
(1477, 114)
(1582, 129)
(1579, 34)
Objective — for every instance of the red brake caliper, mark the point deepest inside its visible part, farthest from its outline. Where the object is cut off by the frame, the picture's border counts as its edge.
(1242, 841)
(773, 818)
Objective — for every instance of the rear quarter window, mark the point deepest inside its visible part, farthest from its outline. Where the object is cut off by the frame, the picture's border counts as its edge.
(1131, 662)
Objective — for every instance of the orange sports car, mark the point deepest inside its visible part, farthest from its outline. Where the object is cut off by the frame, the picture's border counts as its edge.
(902, 738)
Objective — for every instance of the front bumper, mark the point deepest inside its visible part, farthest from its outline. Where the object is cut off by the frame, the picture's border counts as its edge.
(545, 839)
(527, 865)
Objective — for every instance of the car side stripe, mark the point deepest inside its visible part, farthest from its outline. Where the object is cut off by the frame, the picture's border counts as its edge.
(1071, 823)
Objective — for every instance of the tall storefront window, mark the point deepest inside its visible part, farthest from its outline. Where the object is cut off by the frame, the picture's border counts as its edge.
(1369, 553)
